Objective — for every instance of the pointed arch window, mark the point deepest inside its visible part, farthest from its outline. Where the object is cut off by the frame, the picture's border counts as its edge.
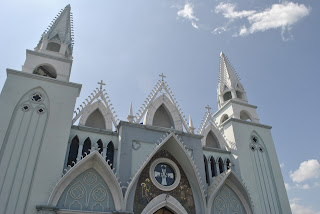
(227, 96)
(239, 94)
(96, 120)
(110, 153)
(212, 140)
(206, 168)
(228, 164)
(73, 151)
(53, 46)
(213, 167)
(46, 70)
(245, 116)
(221, 168)
(86, 147)
(162, 118)
(100, 146)
(224, 118)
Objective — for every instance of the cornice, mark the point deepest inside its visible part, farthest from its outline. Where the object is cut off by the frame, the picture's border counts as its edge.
(43, 78)
(246, 122)
(49, 56)
(205, 148)
(95, 130)
(157, 128)
(235, 102)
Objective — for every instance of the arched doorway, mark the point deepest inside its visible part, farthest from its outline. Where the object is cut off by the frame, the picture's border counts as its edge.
(163, 210)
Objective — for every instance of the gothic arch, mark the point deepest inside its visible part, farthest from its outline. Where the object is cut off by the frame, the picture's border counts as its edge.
(106, 114)
(164, 200)
(110, 154)
(224, 118)
(99, 146)
(172, 143)
(213, 166)
(171, 109)
(217, 134)
(87, 146)
(45, 69)
(262, 161)
(96, 162)
(245, 115)
(20, 150)
(233, 182)
(73, 151)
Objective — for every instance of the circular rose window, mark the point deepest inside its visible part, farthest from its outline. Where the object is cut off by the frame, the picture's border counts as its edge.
(164, 174)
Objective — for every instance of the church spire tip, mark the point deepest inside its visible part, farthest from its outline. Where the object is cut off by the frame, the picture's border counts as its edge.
(58, 37)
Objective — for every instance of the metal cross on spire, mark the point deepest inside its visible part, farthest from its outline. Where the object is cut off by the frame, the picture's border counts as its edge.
(208, 108)
(101, 84)
(162, 76)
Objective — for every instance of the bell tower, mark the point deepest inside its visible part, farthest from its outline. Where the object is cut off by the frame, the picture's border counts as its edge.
(251, 143)
(52, 57)
(36, 113)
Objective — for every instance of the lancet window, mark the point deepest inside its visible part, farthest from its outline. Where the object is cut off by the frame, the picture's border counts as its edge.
(86, 147)
(110, 153)
(73, 151)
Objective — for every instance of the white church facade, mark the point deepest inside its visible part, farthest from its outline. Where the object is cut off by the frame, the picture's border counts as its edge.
(59, 158)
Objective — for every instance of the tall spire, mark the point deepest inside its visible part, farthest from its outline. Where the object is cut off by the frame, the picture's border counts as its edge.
(58, 37)
(229, 86)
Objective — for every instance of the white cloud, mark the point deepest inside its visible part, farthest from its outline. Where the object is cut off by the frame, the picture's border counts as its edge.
(307, 170)
(281, 165)
(278, 16)
(300, 209)
(187, 13)
(227, 11)
(194, 25)
(283, 15)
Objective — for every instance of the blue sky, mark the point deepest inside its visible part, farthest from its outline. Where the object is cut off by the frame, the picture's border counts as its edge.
(273, 45)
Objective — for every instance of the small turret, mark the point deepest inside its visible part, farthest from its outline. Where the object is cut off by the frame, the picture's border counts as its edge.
(229, 86)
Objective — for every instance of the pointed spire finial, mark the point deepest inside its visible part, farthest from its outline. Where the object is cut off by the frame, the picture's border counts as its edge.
(130, 116)
(101, 83)
(191, 127)
(145, 118)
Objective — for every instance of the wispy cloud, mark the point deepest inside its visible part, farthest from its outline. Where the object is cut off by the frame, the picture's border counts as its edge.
(283, 16)
(309, 169)
(300, 209)
(188, 13)
(228, 11)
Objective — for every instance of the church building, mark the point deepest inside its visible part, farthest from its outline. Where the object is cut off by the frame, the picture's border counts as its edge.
(56, 157)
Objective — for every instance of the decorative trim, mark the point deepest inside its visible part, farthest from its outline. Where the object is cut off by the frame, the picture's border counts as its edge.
(205, 148)
(49, 56)
(150, 100)
(95, 130)
(176, 173)
(157, 128)
(247, 122)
